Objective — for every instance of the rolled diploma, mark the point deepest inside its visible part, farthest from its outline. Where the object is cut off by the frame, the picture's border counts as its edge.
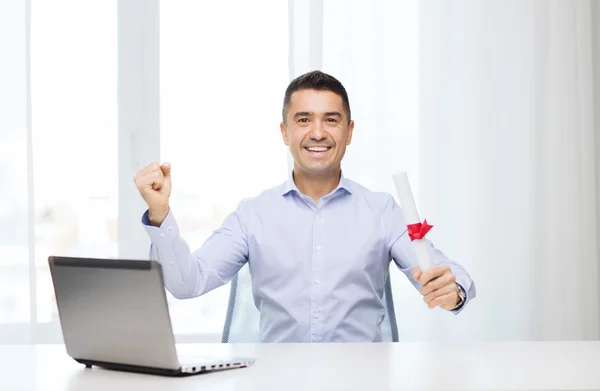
(411, 215)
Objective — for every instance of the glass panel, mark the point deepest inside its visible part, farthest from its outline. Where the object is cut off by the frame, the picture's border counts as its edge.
(74, 117)
(14, 258)
(223, 77)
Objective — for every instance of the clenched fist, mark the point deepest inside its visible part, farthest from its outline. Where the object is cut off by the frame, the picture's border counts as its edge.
(438, 287)
(154, 184)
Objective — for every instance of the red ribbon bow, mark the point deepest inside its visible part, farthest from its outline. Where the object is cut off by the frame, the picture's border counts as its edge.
(418, 230)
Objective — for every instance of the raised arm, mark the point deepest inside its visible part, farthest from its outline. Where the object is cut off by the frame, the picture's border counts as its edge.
(188, 274)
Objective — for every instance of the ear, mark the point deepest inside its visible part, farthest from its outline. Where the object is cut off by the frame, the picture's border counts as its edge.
(284, 134)
(350, 130)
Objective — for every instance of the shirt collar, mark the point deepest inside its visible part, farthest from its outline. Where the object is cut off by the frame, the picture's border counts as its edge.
(290, 185)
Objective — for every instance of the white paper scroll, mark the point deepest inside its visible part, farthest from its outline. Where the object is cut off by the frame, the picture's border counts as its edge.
(411, 215)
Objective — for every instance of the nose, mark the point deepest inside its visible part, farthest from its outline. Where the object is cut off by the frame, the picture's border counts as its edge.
(317, 132)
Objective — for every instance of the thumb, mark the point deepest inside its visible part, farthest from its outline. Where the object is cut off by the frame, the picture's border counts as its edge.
(417, 273)
(166, 169)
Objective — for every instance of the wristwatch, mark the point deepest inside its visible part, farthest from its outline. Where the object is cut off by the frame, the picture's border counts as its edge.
(461, 295)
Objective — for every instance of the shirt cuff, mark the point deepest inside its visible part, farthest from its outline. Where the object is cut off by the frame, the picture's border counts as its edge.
(167, 230)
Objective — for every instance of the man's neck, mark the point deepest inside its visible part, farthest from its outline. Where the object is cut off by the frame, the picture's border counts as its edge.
(316, 186)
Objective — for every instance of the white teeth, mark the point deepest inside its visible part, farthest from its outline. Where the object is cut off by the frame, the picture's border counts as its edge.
(317, 149)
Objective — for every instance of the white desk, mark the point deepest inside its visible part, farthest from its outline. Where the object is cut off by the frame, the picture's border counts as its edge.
(386, 366)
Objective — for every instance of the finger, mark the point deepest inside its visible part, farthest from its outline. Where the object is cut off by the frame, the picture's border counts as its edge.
(152, 181)
(416, 273)
(446, 279)
(157, 185)
(438, 282)
(434, 272)
(151, 177)
(166, 169)
(148, 169)
(439, 292)
(159, 181)
(446, 301)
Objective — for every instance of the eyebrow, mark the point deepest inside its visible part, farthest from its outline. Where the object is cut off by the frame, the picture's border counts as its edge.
(327, 114)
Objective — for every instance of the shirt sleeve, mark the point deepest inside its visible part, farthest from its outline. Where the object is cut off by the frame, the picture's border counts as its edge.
(214, 264)
(403, 254)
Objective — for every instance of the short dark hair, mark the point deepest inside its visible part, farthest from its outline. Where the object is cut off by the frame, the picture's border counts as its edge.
(315, 80)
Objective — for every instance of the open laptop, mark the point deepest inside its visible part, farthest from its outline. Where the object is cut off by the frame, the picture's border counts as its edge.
(114, 314)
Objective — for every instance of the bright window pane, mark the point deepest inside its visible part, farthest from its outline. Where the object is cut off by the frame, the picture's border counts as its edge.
(74, 117)
(14, 258)
(378, 65)
(223, 76)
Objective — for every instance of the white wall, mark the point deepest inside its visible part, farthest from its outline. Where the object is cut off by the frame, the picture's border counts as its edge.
(507, 162)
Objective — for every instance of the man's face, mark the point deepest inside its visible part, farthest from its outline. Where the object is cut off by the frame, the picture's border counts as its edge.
(317, 131)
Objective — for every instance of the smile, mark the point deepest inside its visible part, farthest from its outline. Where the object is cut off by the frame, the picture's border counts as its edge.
(317, 149)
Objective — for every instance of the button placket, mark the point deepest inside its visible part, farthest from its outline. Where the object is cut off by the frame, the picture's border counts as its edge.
(317, 262)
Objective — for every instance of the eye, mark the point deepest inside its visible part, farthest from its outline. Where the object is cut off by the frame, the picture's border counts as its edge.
(332, 120)
(303, 120)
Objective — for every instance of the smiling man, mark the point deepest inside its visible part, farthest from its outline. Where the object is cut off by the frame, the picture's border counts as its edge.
(319, 246)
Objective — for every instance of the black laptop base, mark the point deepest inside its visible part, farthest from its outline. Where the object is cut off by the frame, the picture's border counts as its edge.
(138, 369)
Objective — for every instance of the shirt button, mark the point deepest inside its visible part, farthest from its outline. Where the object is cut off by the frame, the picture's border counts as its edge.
(319, 214)
(318, 247)
(162, 234)
(170, 228)
(317, 281)
(170, 263)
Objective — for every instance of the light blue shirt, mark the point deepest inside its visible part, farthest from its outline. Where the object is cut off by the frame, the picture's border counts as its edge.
(318, 270)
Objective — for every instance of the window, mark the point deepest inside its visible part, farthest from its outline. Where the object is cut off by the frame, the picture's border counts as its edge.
(14, 255)
(222, 79)
(74, 130)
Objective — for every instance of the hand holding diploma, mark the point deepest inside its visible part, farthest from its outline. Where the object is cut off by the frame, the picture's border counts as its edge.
(438, 283)
(438, 287)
